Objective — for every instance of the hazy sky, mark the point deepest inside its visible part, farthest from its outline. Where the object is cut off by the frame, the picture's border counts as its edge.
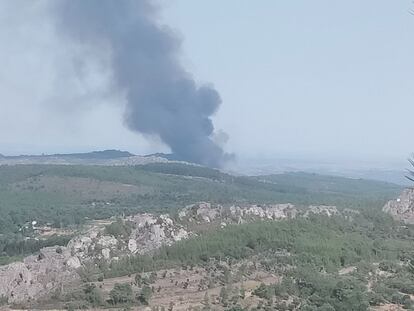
(321, 78)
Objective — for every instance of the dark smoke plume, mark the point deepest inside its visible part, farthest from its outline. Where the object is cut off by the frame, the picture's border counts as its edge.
(162, 98)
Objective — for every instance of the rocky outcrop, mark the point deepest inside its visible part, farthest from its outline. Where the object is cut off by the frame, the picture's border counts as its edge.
(321, 210)
(42, 274)
(38, 275)
(151, 232)
(206, 212)
(402, 208)
(271, 212)
(148, 232)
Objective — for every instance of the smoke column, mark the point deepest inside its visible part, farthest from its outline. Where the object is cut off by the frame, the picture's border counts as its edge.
(162, 98)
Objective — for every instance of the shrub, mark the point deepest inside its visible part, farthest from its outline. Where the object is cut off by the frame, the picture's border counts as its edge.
(93, 295)
(119, 228)
(145, 295)
(121, 294)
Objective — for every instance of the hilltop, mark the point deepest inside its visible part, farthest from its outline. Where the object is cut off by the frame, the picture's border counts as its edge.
(105, 157)
(105, 154)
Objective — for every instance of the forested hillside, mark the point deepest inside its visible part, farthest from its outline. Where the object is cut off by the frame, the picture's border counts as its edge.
(67, 195)
(316, 263)
(349, 260)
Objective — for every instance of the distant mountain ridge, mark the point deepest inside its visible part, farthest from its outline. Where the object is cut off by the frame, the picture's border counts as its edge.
(106, 157)
(105, 154)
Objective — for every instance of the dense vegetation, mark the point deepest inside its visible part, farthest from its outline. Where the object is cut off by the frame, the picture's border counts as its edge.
(329, 243)
(307, 252)
(67, 195)
(14, 247)
(315, 249)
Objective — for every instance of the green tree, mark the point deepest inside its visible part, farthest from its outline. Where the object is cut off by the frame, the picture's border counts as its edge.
(242, 293)
(349, 296)
(144, 295)
(119, 228)
(326, 307)
(93, 295)
(138, 279)
(152, 277)
(121, 294)
(263, 291)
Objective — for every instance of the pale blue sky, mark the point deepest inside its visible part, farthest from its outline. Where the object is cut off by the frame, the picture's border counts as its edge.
(315, 77)
(321, 78)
